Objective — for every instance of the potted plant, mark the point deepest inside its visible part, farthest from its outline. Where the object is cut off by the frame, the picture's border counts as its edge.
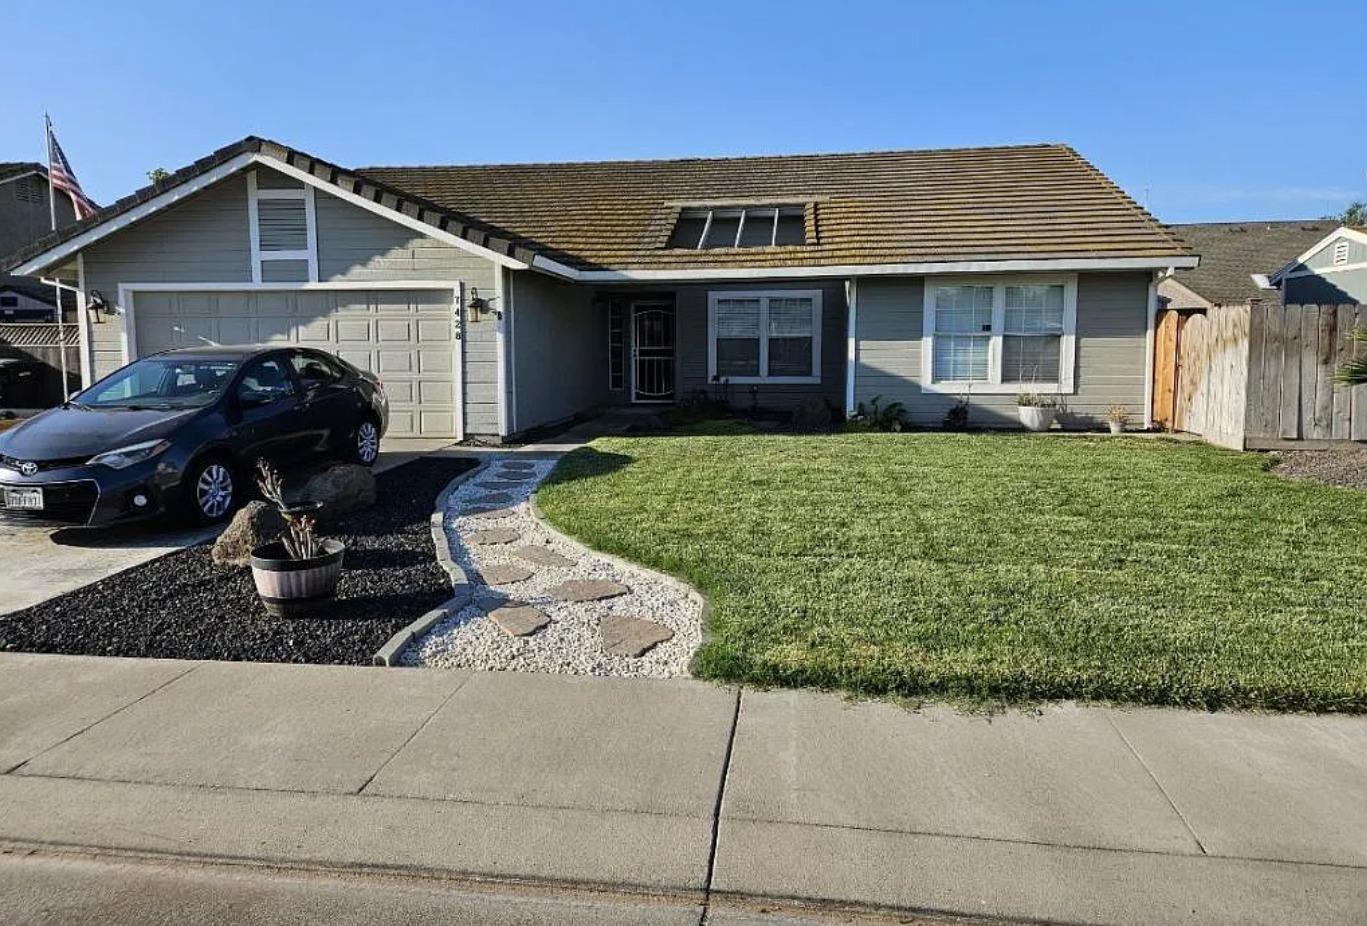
(300, 570)
(1117, 416)
(1037, 412)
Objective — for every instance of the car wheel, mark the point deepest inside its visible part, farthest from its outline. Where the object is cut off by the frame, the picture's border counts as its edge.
(365, 446)
(211, 491)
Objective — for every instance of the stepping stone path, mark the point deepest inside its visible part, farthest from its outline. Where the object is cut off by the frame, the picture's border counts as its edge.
(519, 620)
(632, 636)
(494, 498)
(543, 556)
(517, 464)
(493, 537)
(490, 515)
(505, 574)
(588, 590)
(485, 484)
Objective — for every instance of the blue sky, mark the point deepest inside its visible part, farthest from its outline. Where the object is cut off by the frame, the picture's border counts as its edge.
(1192, 107)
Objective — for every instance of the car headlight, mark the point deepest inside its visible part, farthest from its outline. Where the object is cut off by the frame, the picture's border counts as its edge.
(127, 456)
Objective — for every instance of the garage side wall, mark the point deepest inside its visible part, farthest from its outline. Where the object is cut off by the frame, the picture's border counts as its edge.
(206, 239)
(560, 358)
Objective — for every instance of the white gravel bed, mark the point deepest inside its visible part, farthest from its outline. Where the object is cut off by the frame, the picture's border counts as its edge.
(571, 643)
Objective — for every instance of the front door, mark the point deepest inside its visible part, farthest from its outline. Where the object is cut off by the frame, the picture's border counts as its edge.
(652, 351)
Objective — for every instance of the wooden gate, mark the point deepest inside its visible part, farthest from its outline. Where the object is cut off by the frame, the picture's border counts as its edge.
(1166, 342)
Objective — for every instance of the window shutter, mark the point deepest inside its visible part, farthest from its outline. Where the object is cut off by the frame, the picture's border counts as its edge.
(283, 224)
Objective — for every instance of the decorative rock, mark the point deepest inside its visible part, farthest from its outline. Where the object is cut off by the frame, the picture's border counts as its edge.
(519, 620)
(494, 498)
(505, 574)
(632, 636)
(342, 489)
(255, 524)
(588, 590)
(543, 556)
(493, 537)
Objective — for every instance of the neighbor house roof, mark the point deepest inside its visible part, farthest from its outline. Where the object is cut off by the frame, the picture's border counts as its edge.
(28, 286)
(10, 169)
(1232, 251)
(1025, 202)
(1034, 202)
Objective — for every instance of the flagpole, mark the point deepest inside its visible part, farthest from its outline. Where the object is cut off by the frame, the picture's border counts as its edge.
(56, 286)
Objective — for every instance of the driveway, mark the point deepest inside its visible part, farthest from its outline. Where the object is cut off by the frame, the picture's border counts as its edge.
(43, 562)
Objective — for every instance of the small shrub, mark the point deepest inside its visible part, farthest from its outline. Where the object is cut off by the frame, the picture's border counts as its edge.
(1035, 400)
(956, 419)
(879, 417)
(1118, 414)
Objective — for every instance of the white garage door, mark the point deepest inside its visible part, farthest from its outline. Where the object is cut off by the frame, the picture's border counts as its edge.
(406, 336)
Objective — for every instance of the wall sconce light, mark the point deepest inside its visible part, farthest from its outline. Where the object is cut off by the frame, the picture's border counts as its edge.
(478, 305)
(97, 306)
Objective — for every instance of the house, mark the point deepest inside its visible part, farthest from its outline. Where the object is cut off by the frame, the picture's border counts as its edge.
(1330, 271)
(24, 211)
(496, 299)
(1237, 259)
(25, 299)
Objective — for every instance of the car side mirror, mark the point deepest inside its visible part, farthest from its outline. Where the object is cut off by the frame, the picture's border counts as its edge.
(254, 399)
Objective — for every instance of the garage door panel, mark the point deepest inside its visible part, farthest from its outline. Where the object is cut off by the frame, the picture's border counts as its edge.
(394, 329)
(404, 336)
(350, 330)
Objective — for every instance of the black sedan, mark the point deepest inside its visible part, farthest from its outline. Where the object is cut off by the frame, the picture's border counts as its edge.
(180, 432)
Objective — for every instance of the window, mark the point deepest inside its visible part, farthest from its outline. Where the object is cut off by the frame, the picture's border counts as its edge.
(161, 382)
(1340, 252)
(740, 227)
(765, 336)
(284, 234)
(9, 302)
(617, 345)
(263, 382)
(315, 370)
(999, 337)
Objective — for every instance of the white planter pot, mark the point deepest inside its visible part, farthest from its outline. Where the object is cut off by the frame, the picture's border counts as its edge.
(1116, 427)
(1035, 418)
(290, 587)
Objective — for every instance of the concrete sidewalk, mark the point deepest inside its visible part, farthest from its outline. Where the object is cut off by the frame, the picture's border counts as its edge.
(705, 800)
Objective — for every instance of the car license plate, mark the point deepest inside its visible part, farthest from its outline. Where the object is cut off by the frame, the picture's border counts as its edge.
(24, 499)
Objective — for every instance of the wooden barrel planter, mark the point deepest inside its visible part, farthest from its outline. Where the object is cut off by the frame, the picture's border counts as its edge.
(290, 587)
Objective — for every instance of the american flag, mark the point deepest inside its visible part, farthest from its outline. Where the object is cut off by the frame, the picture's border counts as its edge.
(64, 178)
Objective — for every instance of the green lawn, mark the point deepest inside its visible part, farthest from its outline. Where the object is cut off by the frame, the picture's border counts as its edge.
(993, 566)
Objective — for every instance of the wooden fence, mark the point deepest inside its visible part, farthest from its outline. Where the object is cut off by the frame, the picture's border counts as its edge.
(1262, 376)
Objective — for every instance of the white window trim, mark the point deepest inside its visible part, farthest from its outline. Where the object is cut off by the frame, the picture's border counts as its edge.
(310, 254)
(994, 385)
(764, 296)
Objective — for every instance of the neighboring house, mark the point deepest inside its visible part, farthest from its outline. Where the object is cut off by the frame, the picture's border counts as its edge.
(1330, 271)
(492, 300)
(24, 212)
(1236, 259)
(24, 299)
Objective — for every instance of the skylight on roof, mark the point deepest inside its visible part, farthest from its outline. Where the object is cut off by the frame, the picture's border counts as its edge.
(739, 227)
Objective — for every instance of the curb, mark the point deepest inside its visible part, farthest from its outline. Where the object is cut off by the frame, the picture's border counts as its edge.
(461, 592)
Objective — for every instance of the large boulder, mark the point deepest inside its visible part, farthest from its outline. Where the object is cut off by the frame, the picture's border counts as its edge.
(256, 523)
(341, 488)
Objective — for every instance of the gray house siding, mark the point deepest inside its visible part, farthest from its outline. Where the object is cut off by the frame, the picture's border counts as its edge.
(24, 212)
(206, 240)
(690, 308)
(1327, 288)
(559, 350)
(1324, 257)
(1112, 318)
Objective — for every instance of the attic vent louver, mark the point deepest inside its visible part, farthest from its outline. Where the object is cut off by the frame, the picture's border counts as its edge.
(1340, 252)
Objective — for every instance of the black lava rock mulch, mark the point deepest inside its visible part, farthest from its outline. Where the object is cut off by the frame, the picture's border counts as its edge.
(182, 606)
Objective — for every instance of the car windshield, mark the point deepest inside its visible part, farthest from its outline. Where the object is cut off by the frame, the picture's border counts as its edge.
(161, 382)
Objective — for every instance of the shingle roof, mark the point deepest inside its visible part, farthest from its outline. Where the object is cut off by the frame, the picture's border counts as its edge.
(450, 220)
(1035, 201)
(1232, 251)
(14, 168)
(1023, 202)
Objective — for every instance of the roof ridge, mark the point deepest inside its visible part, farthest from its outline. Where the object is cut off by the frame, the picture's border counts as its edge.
(804, 155)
